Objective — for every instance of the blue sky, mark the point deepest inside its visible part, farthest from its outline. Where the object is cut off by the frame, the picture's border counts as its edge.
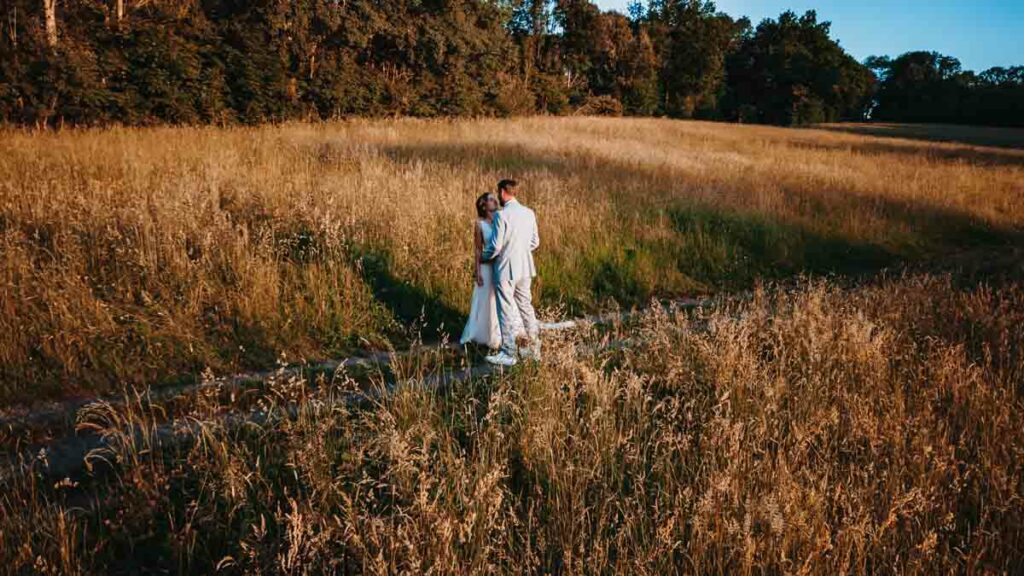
(981, 33)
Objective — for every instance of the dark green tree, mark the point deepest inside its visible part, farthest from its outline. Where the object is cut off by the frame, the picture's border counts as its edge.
(607, 55)
(790, 71)
(693, 41)
(931, 87)
(91, 62)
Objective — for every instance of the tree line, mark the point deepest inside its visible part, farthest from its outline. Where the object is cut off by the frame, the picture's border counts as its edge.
(90, 62)
(931, 87)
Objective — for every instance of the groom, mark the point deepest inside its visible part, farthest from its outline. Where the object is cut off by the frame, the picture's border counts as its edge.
(511, 248)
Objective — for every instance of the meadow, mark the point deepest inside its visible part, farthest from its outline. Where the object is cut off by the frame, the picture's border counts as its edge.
(847, 402)
(813, 430)
(145, 256)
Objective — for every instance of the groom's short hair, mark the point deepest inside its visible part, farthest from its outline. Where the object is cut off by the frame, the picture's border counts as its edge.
(508, 186)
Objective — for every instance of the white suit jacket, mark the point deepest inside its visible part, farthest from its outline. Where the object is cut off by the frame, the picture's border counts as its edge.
(512, 244)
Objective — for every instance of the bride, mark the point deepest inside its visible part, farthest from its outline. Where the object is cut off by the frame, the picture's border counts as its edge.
(482, 326)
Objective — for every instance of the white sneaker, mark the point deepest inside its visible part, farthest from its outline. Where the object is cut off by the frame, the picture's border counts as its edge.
(501, 359)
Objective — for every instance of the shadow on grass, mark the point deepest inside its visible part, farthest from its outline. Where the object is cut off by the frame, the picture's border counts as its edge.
(934, 222)
(504, 158)
(732, 250)
(717, 250)
(956, 153)
(1000, 137)
(726, 246)
(415, 310)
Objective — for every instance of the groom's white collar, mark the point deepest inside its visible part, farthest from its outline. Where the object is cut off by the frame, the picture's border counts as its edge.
(510, 201)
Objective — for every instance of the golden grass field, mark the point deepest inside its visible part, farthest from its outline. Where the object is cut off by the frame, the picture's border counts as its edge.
(143, 255)
(854, 422)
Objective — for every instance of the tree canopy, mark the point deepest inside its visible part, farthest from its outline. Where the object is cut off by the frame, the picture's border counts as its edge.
(790, 71)
(931, 87)
(247, 61)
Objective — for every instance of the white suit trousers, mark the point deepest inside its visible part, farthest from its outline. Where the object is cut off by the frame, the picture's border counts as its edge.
(515, 312)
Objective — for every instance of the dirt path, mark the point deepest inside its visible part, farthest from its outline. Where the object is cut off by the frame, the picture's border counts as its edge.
(57, 447)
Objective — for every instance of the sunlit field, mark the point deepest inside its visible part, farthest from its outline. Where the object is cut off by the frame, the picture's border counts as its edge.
(847, 398)
(142, 256)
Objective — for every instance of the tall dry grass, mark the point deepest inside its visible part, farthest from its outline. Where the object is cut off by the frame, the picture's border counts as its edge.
(817, 431)
(139, 255)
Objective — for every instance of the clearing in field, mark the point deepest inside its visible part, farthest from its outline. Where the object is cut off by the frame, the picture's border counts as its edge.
(864, 420)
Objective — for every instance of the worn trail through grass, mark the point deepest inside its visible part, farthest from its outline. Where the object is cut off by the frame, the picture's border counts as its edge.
(53, 440)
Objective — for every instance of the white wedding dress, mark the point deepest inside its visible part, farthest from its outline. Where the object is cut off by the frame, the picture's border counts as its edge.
(482, 325)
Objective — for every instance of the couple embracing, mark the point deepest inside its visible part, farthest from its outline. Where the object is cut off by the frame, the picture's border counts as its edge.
(501, 315)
